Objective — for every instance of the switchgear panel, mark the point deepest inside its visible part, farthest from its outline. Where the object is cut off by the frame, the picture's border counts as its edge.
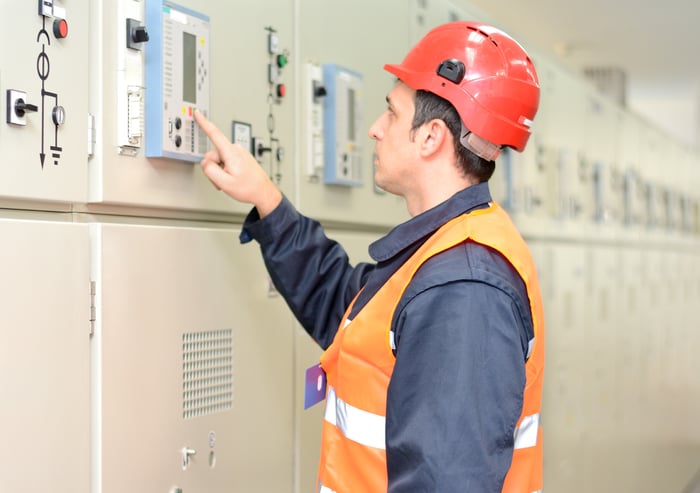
(342, 126)
(177, 80)
(43, 101)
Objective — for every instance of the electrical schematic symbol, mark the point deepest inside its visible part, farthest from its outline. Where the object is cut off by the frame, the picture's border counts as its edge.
(58, 113)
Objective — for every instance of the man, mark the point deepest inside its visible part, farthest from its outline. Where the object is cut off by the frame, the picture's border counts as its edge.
(434, 355)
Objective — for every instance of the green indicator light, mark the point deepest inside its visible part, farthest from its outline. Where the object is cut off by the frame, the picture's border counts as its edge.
(282, 61)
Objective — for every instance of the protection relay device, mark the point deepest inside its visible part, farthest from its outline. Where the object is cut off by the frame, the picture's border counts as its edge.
(177, 81)
(342, 126)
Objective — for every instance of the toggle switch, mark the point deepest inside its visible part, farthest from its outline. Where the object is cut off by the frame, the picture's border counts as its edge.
(17, 107)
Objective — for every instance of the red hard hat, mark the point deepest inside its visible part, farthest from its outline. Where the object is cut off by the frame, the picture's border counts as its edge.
(486, 75)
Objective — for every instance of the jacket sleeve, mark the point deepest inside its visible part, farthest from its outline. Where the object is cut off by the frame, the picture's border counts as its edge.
(311, 271)
(457, 389)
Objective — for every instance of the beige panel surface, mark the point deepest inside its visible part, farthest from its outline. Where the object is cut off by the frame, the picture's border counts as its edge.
(157, 288)
(45, 356)
(561, 269)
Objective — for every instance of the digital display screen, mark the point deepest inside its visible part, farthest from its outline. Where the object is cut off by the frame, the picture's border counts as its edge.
(189, 68)
(351, 115)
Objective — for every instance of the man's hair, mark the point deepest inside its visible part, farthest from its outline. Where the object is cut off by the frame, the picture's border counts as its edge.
(429, 107)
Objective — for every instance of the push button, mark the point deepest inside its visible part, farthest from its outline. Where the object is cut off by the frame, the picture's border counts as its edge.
(60, 28)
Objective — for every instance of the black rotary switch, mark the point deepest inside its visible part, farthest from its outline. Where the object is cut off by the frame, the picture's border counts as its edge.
(136, 34)
(21, 107)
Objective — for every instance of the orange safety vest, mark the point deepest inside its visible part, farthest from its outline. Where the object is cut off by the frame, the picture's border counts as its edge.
(360, 362)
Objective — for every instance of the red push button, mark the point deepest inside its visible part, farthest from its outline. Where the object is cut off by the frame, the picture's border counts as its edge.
(60, 28)
(281, 90)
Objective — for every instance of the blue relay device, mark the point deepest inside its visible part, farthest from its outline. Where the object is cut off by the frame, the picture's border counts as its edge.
(177, 81)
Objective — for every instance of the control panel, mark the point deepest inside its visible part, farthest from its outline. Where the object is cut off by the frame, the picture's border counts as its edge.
(342, 126)
(177, 81)
(43, 101)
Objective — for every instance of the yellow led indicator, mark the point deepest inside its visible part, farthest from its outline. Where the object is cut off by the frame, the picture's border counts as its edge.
(201, 40)
(184, 110)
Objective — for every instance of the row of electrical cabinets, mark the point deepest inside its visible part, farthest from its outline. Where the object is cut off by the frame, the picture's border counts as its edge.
(118, 130)
(592, 163)
(621, 390)
(563, 186)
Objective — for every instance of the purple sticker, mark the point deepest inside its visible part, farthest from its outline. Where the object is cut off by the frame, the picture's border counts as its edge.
(315, 386)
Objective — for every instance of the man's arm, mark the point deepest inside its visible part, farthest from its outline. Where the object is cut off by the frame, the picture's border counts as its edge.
(456, 391)
(311, 271)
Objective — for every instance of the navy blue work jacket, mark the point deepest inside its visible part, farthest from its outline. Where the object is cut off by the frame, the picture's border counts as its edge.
(461, 332)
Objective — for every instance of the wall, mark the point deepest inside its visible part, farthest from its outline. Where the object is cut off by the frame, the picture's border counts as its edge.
(143, 348)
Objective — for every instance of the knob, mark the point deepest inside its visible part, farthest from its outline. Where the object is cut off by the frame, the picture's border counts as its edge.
(318, 91)
(178, 123)
(139, 35)
(178, 141)
(21, 107)
(136, 34)
(186, 454)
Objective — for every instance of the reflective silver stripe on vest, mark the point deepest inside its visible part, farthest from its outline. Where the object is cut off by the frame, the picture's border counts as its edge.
(323, 489)
(356, 424)
(530, 343)
(526, 434)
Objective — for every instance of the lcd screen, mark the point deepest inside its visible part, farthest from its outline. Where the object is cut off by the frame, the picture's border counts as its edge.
(189, 68)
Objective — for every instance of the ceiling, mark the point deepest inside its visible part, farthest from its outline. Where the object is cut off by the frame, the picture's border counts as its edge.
(656, 43)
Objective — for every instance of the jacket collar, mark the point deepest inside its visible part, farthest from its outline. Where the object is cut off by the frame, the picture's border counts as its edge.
(423, 225)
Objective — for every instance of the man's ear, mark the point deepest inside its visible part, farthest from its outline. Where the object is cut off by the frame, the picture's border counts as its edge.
(433, 136)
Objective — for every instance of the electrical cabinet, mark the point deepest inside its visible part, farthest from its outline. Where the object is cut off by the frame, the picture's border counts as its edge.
(191, 359)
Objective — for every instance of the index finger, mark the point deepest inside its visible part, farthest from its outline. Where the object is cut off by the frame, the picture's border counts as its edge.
(219, 140)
